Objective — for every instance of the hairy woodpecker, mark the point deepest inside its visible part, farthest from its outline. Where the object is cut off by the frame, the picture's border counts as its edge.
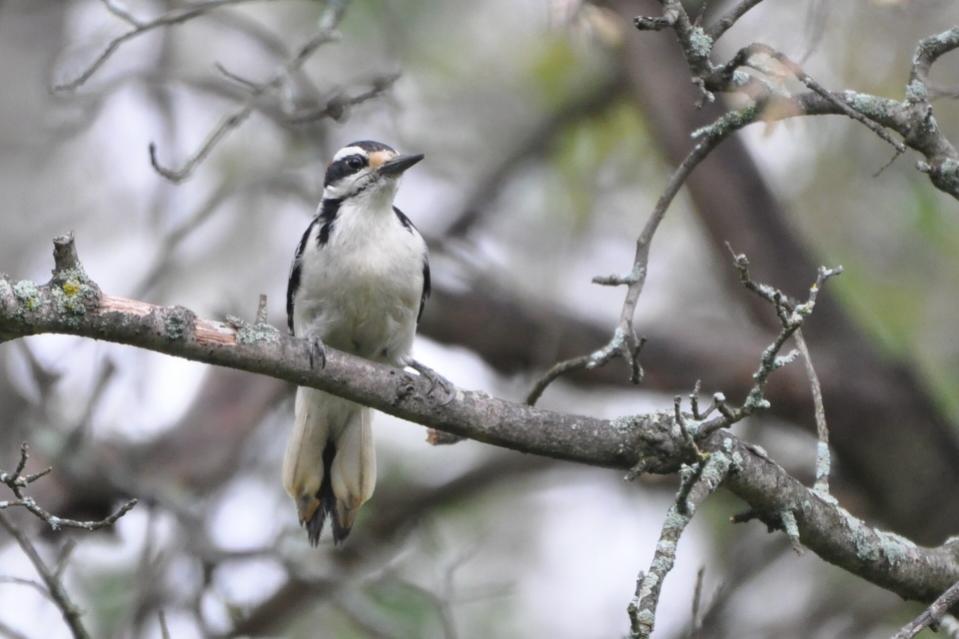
(358, 283)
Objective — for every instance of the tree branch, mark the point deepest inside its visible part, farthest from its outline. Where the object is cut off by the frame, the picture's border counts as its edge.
(912, 117)
(174, 17)
(932, 616)
(70, 303)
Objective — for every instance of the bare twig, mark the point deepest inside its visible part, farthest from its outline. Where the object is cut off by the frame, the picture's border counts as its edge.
(337, 107)
(174, 17)
(71, 614)
(233, 120)
(822, 429)
(642, 609)
(533, 145)
(817, 88)
(164, 631)
(911, 118)
(791, 317)
(16, 482)
(625, 342)
(10, 633)
(730, 17)
(931, 616)
(29, 583)
(558, 369)
(117, 9)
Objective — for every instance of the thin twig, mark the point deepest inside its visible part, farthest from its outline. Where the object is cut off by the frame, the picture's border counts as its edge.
(553, 373)
(71, 614)
(730, 17)
(233, 120)
(174, 17)
(10, 633)
(642, 609)
(114, 7)
(931, 616)
(791, 317)
(822, 429)
(16, 482)
(164, 631)
(814, 86)
(30, 583)
(337, 107)
(625, 342)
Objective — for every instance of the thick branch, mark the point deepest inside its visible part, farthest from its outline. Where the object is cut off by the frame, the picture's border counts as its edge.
(71, 304)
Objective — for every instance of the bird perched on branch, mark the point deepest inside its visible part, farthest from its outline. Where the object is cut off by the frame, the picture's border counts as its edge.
(358, 283)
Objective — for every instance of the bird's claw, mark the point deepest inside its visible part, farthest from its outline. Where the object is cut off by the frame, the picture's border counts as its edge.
(317, 353)
(435, 379)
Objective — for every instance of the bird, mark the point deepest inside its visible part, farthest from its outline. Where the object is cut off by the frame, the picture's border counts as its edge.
(359, 282)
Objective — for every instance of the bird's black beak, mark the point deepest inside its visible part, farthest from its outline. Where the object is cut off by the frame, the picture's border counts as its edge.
(400, 163)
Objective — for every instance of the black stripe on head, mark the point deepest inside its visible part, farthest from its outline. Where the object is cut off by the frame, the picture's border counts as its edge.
(343, 167)
(350, 164)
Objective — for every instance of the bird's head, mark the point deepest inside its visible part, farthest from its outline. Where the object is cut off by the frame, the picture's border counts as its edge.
(366, 169)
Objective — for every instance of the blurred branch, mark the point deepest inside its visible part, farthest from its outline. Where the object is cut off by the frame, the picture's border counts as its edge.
(71, 614)
(17, 481)
(71, 303)
(533, 145)
(394, 517)
(233, 120)
(729, 18)
(932, 616)
(337, 107)
(10, 633)
(177, 16)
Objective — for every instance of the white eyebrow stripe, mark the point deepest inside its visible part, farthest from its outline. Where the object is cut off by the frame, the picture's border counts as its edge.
(349, 150)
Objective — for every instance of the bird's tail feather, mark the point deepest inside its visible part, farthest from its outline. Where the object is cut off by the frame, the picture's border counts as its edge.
(327, 501)
(352, 473)
(330, 463)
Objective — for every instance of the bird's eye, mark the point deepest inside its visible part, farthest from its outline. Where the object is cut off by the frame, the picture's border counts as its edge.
(355, 162)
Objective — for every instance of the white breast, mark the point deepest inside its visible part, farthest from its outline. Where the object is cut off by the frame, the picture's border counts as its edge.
(360, 291)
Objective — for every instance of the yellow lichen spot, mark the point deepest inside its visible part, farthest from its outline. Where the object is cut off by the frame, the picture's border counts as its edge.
(71, 288)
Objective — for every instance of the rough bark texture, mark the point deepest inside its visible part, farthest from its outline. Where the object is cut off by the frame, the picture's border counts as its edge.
(72, 304)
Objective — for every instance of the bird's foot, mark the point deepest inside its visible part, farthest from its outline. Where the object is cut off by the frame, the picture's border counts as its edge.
(317, 353)
(435, 379)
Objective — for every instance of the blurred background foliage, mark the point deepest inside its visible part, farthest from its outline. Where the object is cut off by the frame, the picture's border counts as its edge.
(534, 135)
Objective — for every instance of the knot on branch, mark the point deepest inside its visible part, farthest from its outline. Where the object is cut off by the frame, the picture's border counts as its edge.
(655, 23)
(179, 323)
(651, 443)
(72, 290)
(943, 173)
(65, 254)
